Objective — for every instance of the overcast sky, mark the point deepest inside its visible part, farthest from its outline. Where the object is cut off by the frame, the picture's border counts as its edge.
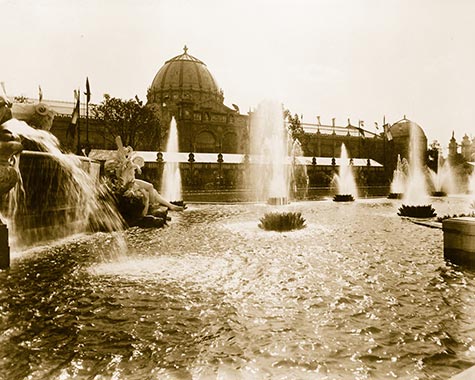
(357, 59)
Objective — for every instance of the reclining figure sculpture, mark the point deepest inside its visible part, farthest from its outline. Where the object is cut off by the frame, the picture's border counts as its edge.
(121, 171)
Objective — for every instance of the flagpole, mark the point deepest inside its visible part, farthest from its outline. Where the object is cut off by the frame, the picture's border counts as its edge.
(79, 124)
(88, 96)
(87, 122)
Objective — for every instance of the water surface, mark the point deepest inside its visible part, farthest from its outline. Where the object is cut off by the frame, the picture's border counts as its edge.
(359, 294)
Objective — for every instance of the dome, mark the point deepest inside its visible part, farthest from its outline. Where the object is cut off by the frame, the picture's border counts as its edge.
(184, 73)
(403, 128)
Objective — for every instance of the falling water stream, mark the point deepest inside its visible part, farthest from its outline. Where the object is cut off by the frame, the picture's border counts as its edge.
(61, 184)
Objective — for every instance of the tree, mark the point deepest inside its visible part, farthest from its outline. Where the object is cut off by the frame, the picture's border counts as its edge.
(295, 127)
(137, 124)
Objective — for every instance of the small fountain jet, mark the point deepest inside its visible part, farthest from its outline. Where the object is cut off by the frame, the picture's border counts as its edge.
(345, 180)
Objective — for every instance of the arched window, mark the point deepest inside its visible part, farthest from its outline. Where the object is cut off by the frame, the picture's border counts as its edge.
(205, 142)
(230, 143)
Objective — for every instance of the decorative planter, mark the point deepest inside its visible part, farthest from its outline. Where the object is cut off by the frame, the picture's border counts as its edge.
(459, 240)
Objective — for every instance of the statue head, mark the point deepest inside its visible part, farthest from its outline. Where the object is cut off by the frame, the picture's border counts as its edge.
(38, 115)
(5, 111)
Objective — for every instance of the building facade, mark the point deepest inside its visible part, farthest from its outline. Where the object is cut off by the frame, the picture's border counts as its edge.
(185, 89)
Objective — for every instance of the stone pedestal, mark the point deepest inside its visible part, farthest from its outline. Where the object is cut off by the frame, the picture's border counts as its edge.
(4, 247)
(459, 240)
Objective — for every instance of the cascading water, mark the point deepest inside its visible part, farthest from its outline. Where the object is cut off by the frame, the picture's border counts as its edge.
(416, 187)
(345, 181)
(398, 183)
(171, 178)
(59, 198)
(269, 147)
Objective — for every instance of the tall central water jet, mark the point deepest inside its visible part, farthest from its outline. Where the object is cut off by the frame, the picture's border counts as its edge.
(269, 149)
(416, 197)
(171, 177)
(346, 185)
(416, 187)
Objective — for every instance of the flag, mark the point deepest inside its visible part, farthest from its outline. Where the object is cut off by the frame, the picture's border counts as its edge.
(74, 116)
(40, 94)
(318, 120)
(88, 91)
(361, 123)
(376, 125)
(389, 136)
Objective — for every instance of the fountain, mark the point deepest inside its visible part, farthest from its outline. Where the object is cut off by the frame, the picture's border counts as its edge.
(346, 185)
(269, 145)
(442, 180)
(70, 201)
(171, 178)
(416, 198)
(341, 298)
(299, 177)
(10, 148)
(398, 183)
(233, 301)
(471, 182)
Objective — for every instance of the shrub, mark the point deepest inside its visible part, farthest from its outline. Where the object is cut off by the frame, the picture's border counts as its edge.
(285, 221)
(417, 211)
(343, 198)
(470, 214)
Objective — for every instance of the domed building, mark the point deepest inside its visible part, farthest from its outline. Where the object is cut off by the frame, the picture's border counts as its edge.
(402, 132)
(185, 89)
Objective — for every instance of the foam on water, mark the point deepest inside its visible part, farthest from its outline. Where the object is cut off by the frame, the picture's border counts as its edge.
(90, 204)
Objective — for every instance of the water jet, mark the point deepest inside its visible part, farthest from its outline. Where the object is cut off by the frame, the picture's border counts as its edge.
(171, 177)
(416, 198)
(269, 148)
(345, 181)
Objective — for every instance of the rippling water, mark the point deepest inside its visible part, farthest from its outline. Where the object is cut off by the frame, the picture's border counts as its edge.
(359, 294)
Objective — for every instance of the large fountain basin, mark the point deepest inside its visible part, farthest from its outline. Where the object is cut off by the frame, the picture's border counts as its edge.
(359, 293)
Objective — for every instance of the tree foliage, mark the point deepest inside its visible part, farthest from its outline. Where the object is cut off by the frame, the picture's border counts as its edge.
(137, 124)
(295, 126)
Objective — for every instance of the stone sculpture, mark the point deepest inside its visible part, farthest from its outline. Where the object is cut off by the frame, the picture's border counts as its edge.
(138, 201)
(10, 146)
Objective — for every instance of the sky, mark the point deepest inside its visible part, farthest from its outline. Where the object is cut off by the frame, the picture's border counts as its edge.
(344, 59)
